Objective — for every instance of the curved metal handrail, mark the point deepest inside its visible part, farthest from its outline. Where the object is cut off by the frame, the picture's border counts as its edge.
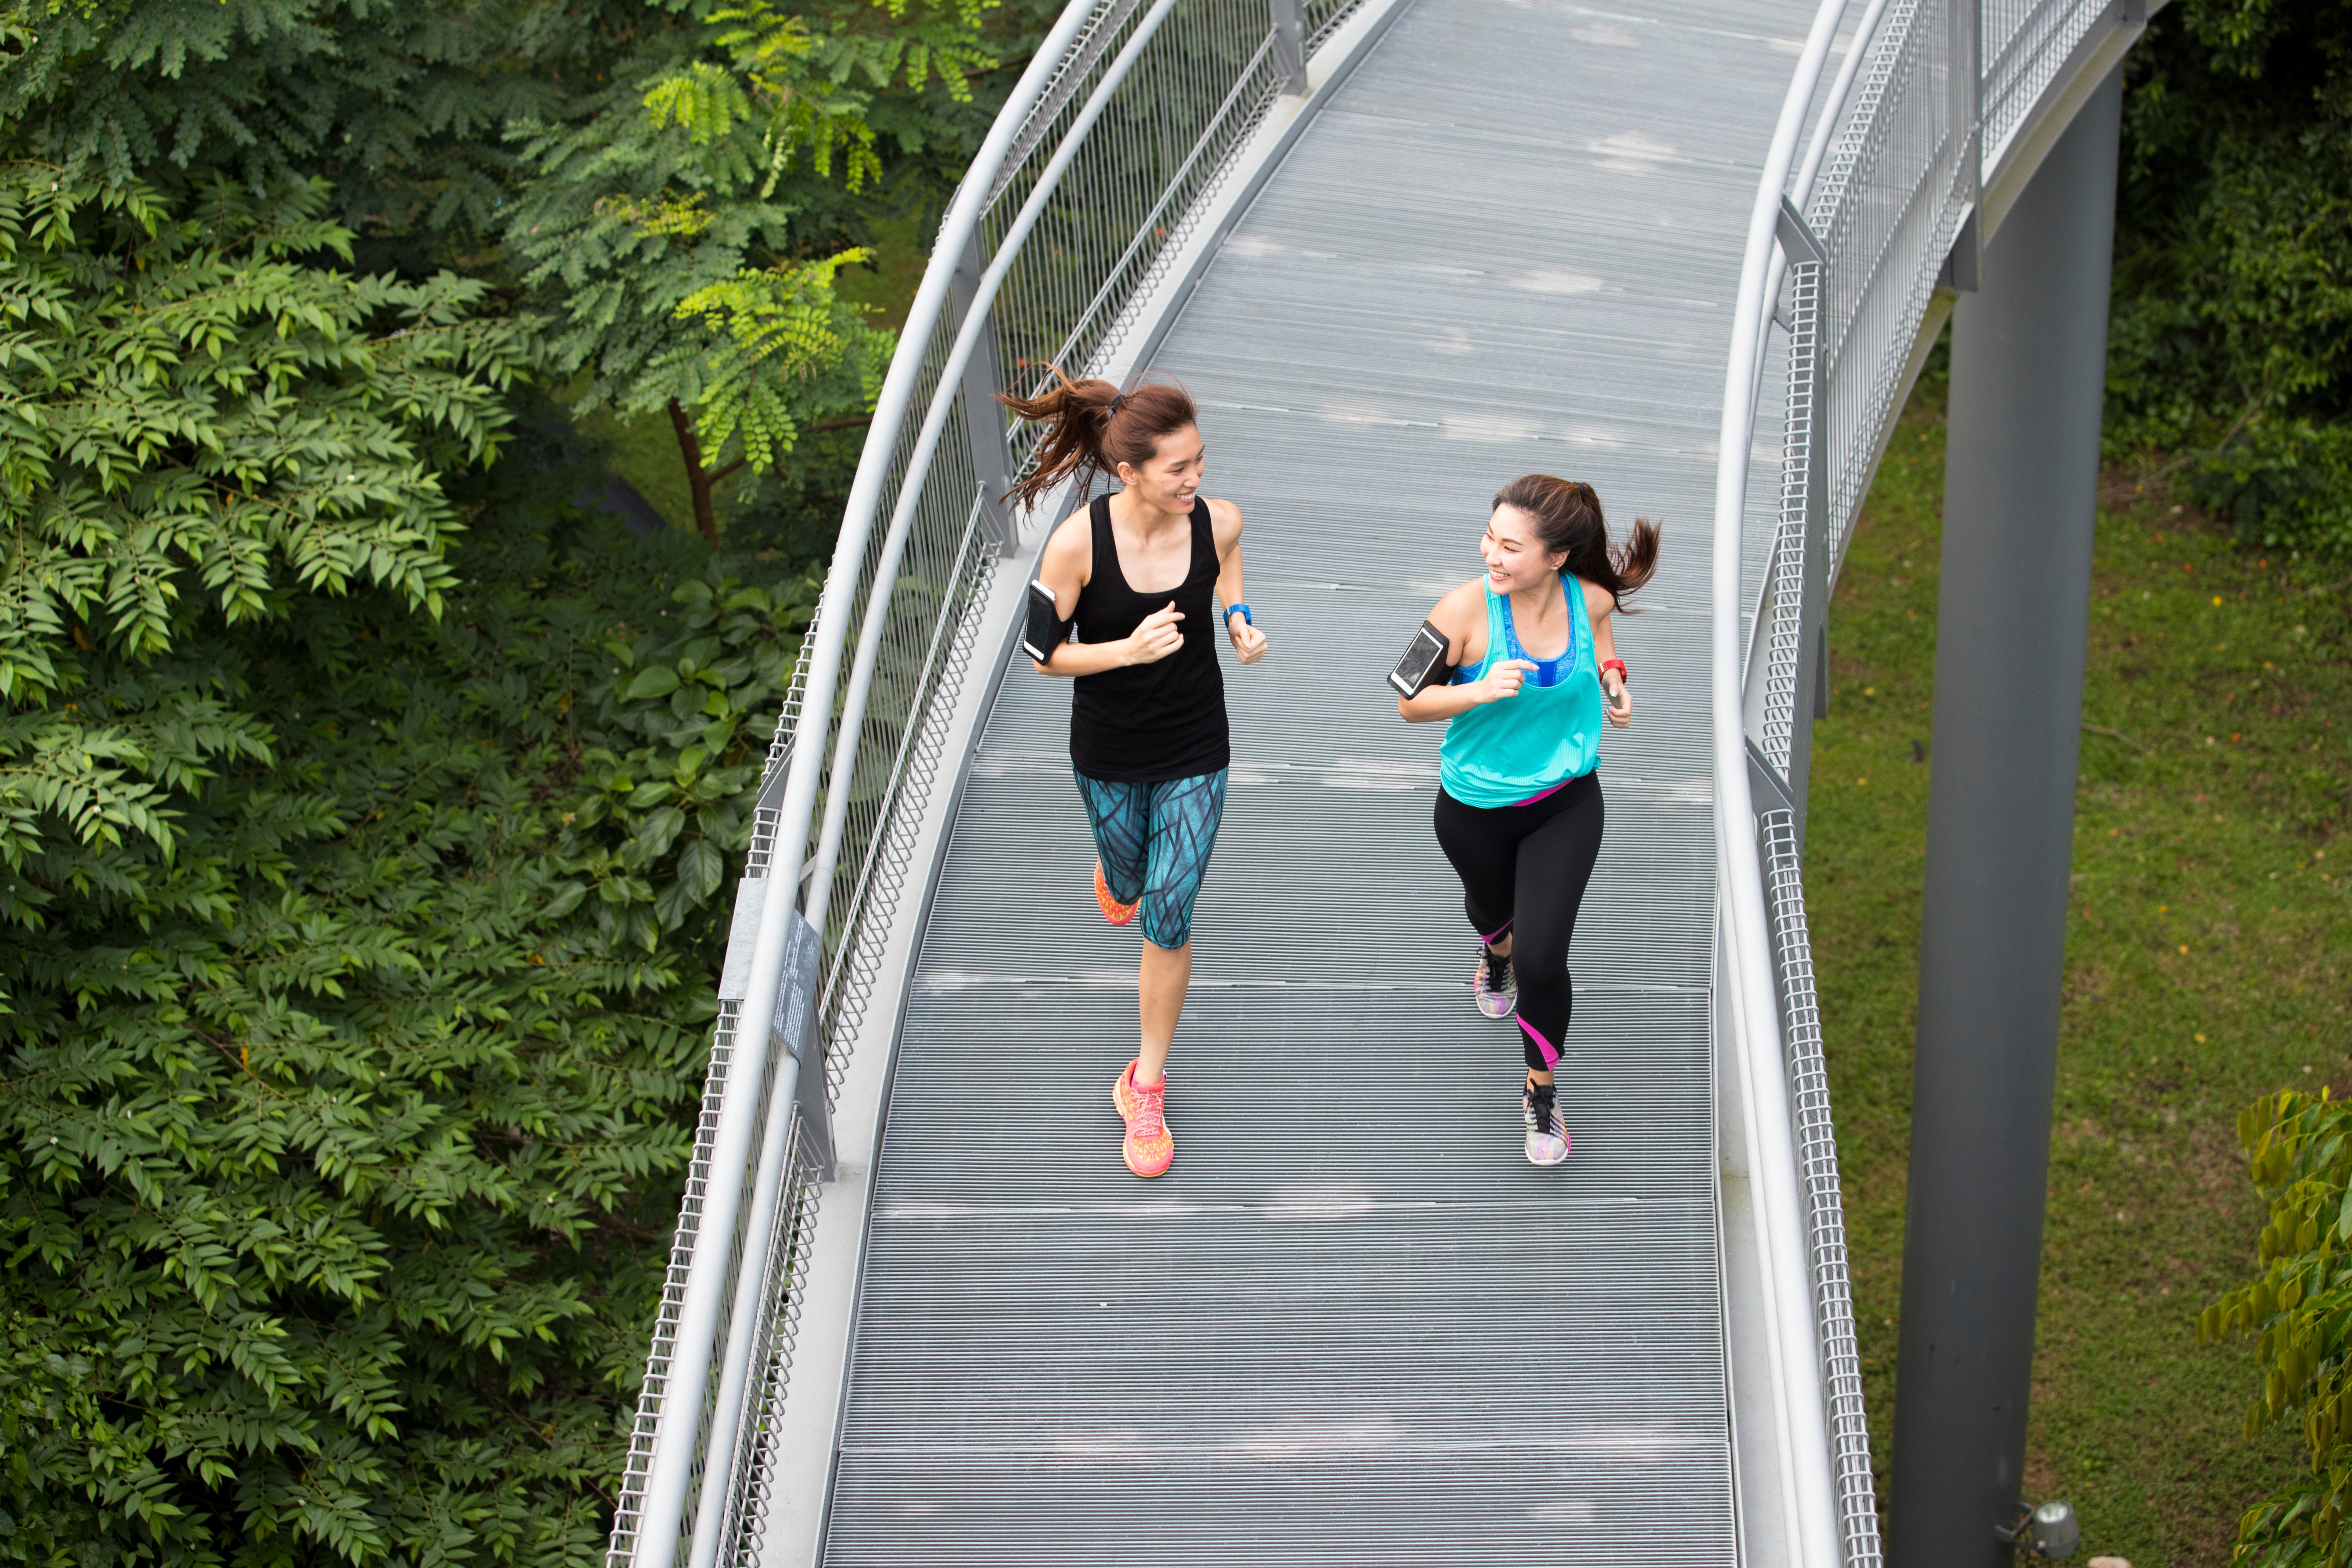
(1860, 234)
(1088, 221)
(650, 1533)
(1789, 1336)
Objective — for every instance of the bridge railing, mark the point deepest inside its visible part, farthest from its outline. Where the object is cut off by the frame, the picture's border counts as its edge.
(1085, 189)
(1846, 250)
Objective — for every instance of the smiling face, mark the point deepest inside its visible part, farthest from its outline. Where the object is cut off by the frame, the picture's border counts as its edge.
(1172, 476)
(1514, 553)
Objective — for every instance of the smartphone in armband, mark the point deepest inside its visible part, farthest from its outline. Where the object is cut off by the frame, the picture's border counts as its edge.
(1423, 664)
(1046, 629)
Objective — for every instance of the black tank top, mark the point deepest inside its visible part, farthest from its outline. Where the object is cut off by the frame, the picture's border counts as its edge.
(1150, 723)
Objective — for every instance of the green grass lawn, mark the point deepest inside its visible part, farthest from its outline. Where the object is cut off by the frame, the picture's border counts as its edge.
(2208, 953)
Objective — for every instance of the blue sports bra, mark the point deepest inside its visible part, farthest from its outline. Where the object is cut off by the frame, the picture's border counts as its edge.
(1548, 671)
(1515, 752)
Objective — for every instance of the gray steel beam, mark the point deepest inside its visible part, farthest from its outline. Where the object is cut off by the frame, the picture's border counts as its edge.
(2029, 354)
(983, 416)
(1290, 44)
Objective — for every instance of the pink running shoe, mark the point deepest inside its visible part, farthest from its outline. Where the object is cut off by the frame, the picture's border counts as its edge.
(1495, 1002)
(1118, 914)
(1546, 1133)
(1149, 1148)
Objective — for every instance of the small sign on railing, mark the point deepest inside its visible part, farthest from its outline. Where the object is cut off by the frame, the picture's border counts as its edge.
(791, 1032)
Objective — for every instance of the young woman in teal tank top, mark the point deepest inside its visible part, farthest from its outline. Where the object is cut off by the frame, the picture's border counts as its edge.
(1519, 812)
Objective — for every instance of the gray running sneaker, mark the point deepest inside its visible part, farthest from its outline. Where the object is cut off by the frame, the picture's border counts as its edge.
(1546, 1133)
(1495, 985)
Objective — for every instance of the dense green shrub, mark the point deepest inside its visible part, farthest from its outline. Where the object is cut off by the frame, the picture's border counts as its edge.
(2301, 1308)
(364, 829)
(343, 1141)
(2231, 339)
(2283, 482)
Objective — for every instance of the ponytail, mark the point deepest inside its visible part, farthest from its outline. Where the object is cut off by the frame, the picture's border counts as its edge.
(1091, 427)
(1567, 519)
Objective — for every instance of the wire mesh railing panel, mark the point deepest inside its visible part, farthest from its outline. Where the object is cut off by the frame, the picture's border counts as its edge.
(1815, 1136)
(1886, 207)
(927, 646)
(750, 1488)
(780, 750)
(1785, 645)
(1323, 18)
(1889, 200)
(2026, 43)
(629, 1504)
(1191, 97)
(1049, 116)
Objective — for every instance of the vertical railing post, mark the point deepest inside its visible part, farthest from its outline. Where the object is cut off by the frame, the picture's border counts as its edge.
(1290, 44)
(1964, 29)
(983, 416)
(1811, 285)
(1796, 691)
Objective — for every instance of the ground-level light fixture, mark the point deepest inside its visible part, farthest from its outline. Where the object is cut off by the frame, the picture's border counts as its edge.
(2049, 1531)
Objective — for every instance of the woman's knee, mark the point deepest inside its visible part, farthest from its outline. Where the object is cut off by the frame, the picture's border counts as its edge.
(1168, 919)
(1539, 949)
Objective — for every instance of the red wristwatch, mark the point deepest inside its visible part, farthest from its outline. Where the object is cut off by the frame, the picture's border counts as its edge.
(1618, 666)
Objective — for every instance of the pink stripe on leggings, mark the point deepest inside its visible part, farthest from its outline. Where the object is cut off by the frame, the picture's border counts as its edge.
(1550, 1052)
(1499, 930)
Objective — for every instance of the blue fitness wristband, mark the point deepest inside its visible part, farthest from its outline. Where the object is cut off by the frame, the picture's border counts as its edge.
(1241, 610)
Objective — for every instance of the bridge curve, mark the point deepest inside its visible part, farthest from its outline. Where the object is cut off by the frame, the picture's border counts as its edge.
(1400, 250)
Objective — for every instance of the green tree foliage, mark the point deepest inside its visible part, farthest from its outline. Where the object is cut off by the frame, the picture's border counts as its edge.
(341, 1145)
(345, 1185)
(404, 106)
(2300, 1149)
(2232, 326)
(668, 228)
(192, 419)
(364, 841)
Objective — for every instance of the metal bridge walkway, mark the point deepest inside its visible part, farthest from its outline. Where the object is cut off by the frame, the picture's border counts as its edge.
(1352, 1325)
(916, 1312)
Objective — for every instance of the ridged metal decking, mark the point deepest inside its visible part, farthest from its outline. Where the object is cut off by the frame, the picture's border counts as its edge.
(1352, 1325)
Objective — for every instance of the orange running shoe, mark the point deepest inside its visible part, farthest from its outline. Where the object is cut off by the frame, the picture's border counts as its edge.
(1149, 1147)
(1118, 914)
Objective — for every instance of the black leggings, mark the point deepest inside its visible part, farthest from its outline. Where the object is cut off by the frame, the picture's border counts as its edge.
(1523, 871)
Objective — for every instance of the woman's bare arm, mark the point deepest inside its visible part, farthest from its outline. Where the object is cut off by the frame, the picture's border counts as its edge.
(1618, 702)
(1225, 522)
(1461, 615)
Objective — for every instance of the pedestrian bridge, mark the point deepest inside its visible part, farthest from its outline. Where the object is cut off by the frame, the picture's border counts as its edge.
(1693, 251)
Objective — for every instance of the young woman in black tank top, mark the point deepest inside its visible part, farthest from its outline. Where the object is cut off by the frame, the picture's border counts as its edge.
(1135, 576)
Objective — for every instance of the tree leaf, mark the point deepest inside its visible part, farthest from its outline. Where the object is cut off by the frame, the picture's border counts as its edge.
(656, 680)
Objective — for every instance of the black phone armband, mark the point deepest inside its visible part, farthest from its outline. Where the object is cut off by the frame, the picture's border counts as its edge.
(1046, 630)
(1423, 664)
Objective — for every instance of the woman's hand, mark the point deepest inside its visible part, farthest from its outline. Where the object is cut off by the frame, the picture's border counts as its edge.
(1618, 703)
(1249, 643)
(1155, 639)
(1503, 679)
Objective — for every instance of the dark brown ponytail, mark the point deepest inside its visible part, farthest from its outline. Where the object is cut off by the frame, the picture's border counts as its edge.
(1567, 519)
(1091, 427)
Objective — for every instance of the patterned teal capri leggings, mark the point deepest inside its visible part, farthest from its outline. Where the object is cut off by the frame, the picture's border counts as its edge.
(1154, 840)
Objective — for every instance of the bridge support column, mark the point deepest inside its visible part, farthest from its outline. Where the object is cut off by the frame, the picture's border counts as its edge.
(2029, 359)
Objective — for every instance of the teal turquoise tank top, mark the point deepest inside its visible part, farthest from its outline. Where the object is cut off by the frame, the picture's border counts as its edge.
(1509, 753)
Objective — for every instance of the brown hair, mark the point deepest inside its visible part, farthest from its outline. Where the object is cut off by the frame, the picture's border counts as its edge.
(1091, 427)
(1567, 519)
